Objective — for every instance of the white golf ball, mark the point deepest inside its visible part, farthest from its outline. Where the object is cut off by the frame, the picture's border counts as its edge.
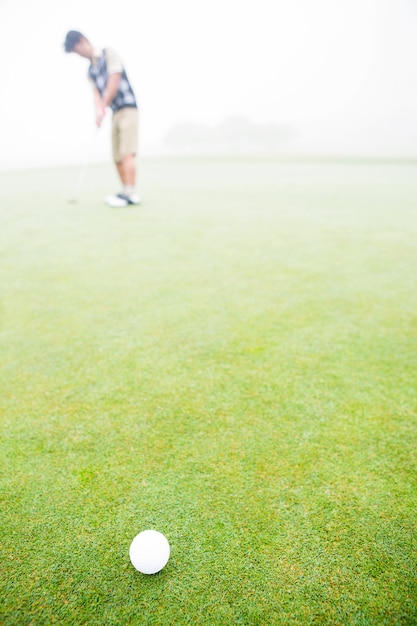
(149, 552)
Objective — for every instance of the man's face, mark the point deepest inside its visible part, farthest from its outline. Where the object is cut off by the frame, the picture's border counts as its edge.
(83, 48)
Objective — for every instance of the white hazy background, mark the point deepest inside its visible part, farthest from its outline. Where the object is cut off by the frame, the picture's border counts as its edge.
(341, 73)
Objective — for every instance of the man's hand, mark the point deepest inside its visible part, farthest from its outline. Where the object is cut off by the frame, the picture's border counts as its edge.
(100, 114)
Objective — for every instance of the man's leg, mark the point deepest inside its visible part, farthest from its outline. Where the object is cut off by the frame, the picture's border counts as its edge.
(119, 167)
(126, 169)
(124, 140)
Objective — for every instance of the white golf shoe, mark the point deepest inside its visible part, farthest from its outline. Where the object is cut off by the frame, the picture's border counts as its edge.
(121, 200)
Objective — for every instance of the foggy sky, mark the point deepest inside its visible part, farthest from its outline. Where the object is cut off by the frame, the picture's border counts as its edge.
(341, 72)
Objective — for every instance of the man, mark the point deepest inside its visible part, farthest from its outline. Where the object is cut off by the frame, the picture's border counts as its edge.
(112, 89)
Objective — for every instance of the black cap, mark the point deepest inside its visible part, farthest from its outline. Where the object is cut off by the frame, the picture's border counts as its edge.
(71, 39)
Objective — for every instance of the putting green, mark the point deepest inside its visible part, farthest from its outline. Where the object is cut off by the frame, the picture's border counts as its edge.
(233, 363)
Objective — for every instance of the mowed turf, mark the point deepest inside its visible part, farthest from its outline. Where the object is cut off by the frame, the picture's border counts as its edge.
(234, 364)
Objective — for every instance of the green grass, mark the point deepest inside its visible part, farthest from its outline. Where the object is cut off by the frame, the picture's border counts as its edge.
(233, 364)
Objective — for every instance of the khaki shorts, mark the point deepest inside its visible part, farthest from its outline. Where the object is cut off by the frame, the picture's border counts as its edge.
(125, 126)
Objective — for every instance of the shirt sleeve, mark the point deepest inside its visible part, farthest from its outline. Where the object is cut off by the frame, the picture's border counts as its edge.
(114, 62)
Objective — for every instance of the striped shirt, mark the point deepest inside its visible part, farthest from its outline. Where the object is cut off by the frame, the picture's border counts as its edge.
(105, 63)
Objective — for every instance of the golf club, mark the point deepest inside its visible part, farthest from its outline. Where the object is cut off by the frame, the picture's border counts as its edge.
(83, 171)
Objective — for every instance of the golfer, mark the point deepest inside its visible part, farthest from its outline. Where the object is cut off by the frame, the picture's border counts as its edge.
(112, 89)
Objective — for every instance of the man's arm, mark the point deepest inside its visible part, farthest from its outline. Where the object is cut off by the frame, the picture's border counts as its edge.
(101, 103)
(99, 107)
(111, 88)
